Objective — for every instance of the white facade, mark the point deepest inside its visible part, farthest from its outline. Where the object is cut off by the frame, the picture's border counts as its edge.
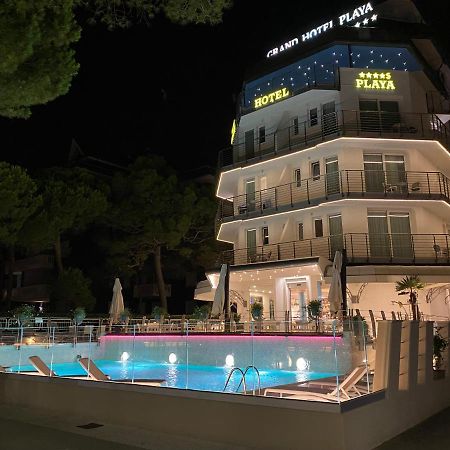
(363, 166)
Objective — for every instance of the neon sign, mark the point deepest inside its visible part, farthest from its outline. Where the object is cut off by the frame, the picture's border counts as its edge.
(375, 80)
(271, 98)
(233, 131)
(344, 19)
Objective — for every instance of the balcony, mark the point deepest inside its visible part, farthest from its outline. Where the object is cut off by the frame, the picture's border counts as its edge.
(371, 184)
(362, 248)
(368, 124)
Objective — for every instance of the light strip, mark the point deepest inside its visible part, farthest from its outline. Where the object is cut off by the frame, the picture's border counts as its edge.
(366, 200)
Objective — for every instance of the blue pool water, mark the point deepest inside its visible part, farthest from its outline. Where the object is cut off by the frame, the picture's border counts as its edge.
(203, 378)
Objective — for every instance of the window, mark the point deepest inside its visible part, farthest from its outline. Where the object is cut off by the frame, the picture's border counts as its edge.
(313, 120)
(300, 231)
(262, 134)
(297, 177)
(315, 170)
(295, 127)
(318, 227)
(265, 235)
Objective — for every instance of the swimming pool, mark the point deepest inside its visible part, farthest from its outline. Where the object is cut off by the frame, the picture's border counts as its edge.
(202, 362)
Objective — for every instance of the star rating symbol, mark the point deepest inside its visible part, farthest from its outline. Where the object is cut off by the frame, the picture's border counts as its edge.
(362, 75)
(357, 25)
(365, 21)
(373, 18)
(375, 75)
(382, 76)
(368, 75)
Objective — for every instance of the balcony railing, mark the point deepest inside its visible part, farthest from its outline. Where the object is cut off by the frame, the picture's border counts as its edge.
(346, 183)
(361, 248)
(381, 124)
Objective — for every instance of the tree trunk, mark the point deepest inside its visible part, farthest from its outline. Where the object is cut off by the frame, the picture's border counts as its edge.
(160, 277)
(413, 301)
(11, 263)
(58, 255)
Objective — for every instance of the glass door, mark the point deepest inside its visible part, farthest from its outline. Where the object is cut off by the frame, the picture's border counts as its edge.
(369, 115)
(379, 242)
(249, 144)
(373, 173)
(251, 245)
(395, 173)
(336, 235)
(390, 115)
(332, 175)
(250, 194)
(401, 235)
(329, 122)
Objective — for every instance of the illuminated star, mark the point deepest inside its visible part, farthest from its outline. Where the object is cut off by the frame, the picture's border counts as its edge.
(366, 21)
(368, 75)
(357, 25)
(362, 75)
(373, 18)
(382, 76)
(375, 75)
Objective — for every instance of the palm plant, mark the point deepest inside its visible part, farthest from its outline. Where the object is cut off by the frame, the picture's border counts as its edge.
(410, 285)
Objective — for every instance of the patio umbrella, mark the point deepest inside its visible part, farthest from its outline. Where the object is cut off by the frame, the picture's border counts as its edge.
(335, 293)
(117, 305)
(219, 295)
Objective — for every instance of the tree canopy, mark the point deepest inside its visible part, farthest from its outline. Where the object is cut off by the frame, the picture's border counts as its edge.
(37, 62)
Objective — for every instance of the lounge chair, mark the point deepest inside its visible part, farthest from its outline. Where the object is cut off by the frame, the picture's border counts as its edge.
(95, 373)
(324, 389)
(41, 367)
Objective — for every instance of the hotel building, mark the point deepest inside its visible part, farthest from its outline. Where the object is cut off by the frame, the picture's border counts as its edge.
(341, 141)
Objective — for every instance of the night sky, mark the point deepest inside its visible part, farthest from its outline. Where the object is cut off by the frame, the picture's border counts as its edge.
(167, 89)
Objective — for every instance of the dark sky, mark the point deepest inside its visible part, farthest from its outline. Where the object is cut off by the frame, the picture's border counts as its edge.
(165, 88)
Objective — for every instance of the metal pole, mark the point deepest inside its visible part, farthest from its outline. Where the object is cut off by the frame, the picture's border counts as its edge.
(344, 282)
(226, 303)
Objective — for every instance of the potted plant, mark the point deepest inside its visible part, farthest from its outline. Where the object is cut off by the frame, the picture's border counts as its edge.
(315, 311)
(158, 313)
(24, 314)
(410, 285)
(439, 345)
(257, 310)
(79, 314)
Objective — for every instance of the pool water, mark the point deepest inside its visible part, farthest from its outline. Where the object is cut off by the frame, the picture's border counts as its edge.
(182, 376)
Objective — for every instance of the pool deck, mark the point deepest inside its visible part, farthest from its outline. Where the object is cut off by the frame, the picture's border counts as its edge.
(19, 430)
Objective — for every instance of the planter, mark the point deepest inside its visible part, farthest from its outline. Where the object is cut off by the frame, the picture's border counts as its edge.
(438, 374)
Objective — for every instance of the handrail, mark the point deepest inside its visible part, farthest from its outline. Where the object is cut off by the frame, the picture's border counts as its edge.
(242, 379)
(353, 123)
(259, 378)
(361, 248)
(408, 184)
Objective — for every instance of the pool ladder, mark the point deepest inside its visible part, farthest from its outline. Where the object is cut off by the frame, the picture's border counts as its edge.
(243, 373)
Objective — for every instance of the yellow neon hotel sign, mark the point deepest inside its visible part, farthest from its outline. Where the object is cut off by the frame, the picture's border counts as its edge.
(375, 80)
(271, 98)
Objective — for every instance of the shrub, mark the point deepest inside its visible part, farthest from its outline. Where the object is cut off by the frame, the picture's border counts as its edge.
(70, 290)
(158, 313)
(201, 312)
(24, 314)
(79, 314)
(257, 311)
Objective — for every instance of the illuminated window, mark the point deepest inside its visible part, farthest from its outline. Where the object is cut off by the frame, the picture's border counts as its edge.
(315, 170)
(265, 235)
(313, 120)
(297, 177)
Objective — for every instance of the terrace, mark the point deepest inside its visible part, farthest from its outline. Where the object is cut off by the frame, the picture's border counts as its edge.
(373, 184)
(348, 123)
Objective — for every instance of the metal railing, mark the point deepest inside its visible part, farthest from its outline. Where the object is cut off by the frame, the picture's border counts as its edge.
(345, 183)
(351, 123)
(361, 248)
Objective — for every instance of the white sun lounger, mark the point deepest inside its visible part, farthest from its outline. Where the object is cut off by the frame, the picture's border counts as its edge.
(344, 390)
(95, 373)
